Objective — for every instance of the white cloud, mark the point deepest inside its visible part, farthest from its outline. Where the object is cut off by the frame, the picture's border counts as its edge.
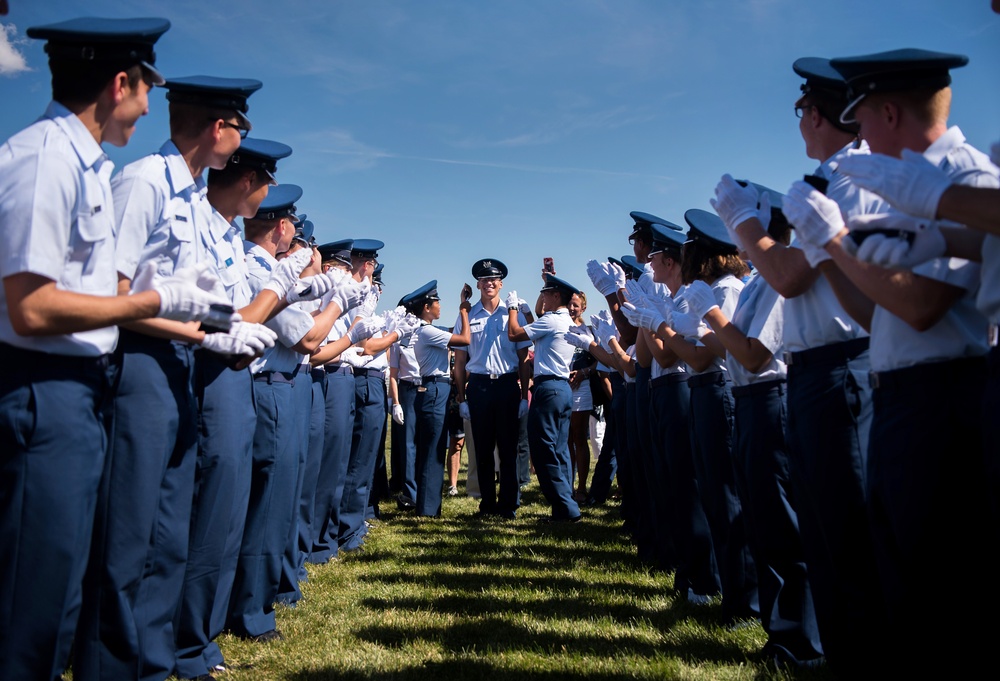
(11, 60)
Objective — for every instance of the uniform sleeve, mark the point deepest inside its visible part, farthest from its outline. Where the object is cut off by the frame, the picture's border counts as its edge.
(434, 337)
(137, 207)
(38, 210)
(291, 325)
(768, 323)
(524, 325)
(539, 328)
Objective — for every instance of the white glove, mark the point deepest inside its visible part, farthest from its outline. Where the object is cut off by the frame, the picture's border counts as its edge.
(397, 413)
(463, 411)
(735, 205)
(512, 301)
(257, 336)
(347, 293)
(365, 328)
(618, 273)
(310, 288)
(368, 303)
(915, 241)
(700, 298)
(404, 326)
(602, 280)
(912, 184)
(226, 344)
(188, 295)
(522, 307)
(643, 317)
(522, 409)
(816, 255)
(579, 339)
(816, 218)
(286, 274)
(352, 357)
(687, 324)
(636, 294)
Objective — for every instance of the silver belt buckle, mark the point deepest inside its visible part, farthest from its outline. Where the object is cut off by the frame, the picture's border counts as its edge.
(993, 335)
(494, 377)
(788, 358)
(873, 380)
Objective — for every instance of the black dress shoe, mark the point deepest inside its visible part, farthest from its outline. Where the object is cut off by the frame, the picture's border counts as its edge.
(268, 636)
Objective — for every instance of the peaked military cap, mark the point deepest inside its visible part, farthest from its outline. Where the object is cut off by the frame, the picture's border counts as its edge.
(366, 248)
(304, 232)
(643, 221)
(260, 155)
(554, 283)
(377, 274)
(93, 39)
(279, 202)
(211, 91)
(337, 250)
(709, 230)
(895, 71)
(488, 268)
(425, 294)
(665, 238)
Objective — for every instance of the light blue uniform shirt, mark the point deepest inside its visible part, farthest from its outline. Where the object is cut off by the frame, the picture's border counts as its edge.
(962, 332)
(816, 318)
(225, 245)
(759, 314)
(727, 293)
(58, 220)
(291, 324)
(402, 356)
(553, 353)
(431, 350)
(490, 352)
(162, 214)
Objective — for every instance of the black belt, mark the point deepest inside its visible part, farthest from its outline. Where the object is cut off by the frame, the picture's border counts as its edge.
(759, 388)
(368, 372)
(538, 380)
(270, 377)
(667, 379)
(318, 374)
(338, 369)
(141, 340)
(493, 377)
(827, 354)
(698, 380)
(435, 379)
(412, 382)
(914, 378)
(13, 355)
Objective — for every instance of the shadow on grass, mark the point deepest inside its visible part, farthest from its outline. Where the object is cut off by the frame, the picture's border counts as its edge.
(452, 669)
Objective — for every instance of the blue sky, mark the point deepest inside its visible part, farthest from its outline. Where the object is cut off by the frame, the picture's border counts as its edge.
(515, 129)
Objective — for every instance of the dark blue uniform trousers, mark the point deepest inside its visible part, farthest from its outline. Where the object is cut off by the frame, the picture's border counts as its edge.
(827, 447)
(138, 556)
(548, 438)
(430, 406)
(607, 461)
(929, 505)
(493, 410)
(292, 560)
(644, 517)
(226, 420)
(380, 478)
(271, 511)
(369, 416)
(711, 445)
(337, 428)
(53, 443)
(407, 445)
(670, 402)
(786, 605)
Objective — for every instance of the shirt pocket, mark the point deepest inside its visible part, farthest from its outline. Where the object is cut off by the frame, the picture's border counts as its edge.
(90, 265)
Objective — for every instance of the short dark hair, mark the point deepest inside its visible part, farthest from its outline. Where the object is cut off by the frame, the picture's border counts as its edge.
(229, 175)
(703, 263)
(829, 105)
(75, 81)
(190, 120)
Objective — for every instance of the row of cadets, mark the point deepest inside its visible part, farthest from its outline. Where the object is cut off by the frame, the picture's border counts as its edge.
(404, 379)
(139, 552)
(59, 329)
(829, 401)
(226, 415)
(927, 482)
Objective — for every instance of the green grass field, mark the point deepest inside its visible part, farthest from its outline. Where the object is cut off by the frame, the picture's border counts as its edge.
(460, 598)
